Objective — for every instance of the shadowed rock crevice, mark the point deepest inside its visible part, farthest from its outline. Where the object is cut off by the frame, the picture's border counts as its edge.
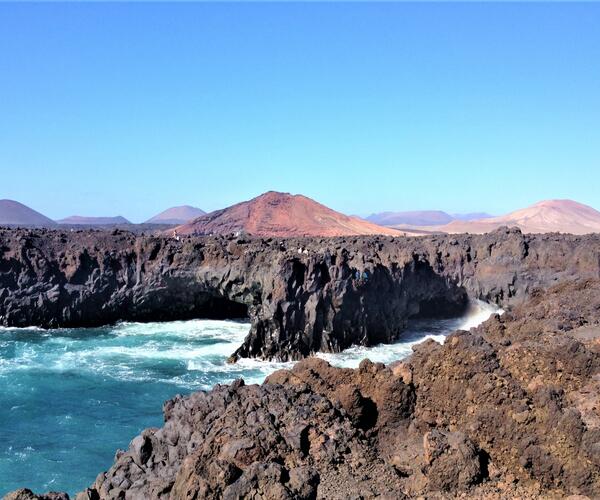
(179, 302)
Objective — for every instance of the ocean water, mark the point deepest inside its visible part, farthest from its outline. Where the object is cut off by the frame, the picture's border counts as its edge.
(70, 398)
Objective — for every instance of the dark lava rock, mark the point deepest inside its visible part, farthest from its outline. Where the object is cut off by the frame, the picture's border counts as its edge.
(452, 461)
(25, 494)
(302, 295)
(238, 441)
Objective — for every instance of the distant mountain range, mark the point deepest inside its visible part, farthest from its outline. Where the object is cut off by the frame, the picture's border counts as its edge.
(421, 218)
(13, 213)
(282, 215)
(563, 216)
(94, 221)
(471, 216)
(176, 215)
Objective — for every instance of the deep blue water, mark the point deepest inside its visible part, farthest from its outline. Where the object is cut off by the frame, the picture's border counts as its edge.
(70, 398)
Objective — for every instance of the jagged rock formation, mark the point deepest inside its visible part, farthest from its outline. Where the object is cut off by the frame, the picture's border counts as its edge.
(27, 494)
(510, 409)
(301, 295)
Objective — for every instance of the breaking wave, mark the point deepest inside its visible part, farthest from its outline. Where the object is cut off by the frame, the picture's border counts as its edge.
(418, 331)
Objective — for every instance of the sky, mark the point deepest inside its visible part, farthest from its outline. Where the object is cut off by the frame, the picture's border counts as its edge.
(115, 108)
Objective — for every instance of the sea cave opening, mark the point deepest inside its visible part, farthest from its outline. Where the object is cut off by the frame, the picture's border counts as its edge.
(178, 303)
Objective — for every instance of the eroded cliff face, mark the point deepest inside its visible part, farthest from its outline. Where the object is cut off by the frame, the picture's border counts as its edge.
(301, 295)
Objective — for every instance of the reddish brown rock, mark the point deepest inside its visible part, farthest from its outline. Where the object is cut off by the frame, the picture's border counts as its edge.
(25, 494)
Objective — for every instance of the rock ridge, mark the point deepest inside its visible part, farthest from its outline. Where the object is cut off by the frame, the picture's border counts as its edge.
(302, 295)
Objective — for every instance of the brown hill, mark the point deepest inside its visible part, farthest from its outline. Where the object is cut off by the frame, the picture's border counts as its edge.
(13, 213)
(177, 215)
(282, 215)
(562, 216)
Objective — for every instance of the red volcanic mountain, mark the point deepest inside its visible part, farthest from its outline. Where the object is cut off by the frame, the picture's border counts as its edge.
(563, 216)
(282, 215)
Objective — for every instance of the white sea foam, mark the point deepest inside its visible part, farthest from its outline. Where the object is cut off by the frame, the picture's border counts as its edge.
(226, 330)
(194, 353)
(419, 331)
(33, 328)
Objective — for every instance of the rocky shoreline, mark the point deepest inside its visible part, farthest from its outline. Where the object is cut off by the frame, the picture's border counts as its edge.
(301, 295)
(510, 409)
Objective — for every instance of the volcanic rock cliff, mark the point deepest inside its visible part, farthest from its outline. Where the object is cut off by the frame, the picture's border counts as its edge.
(301, 295)
(510, 409)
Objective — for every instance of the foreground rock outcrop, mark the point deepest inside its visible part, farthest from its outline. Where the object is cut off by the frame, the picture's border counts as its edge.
(510, 409)
(301, 295)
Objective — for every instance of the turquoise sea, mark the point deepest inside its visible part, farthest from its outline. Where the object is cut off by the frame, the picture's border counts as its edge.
(69, 398)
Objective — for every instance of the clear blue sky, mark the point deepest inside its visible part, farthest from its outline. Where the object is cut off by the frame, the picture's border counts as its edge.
(131, 108)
